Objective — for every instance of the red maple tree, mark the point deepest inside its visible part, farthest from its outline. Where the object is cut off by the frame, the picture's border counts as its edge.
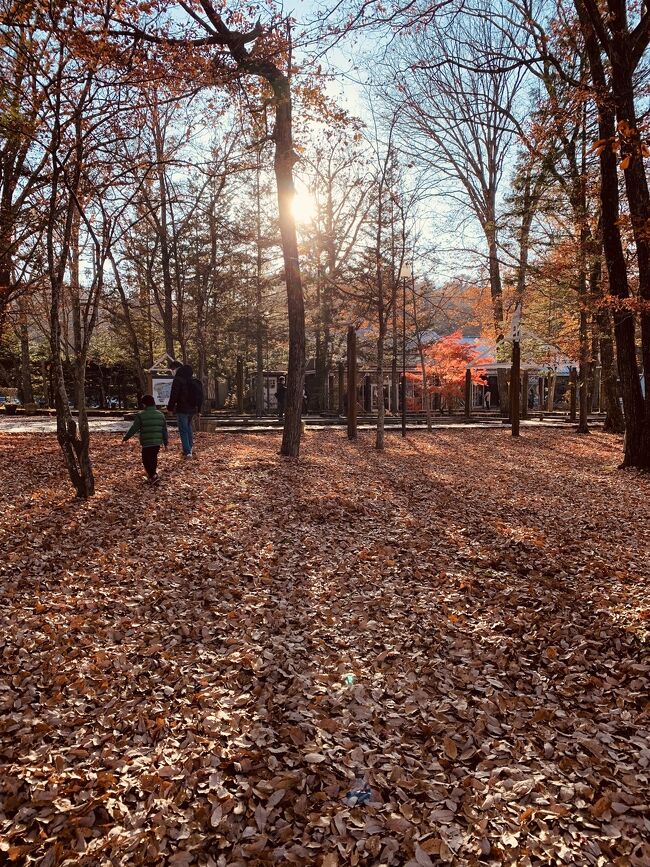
(448, 359)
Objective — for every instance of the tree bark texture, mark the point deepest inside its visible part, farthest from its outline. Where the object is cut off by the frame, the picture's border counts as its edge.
(379, 440)
(515, 388)
(74, 442)
(573, 395)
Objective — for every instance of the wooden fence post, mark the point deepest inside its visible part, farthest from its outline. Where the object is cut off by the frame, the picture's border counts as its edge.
(240, 384)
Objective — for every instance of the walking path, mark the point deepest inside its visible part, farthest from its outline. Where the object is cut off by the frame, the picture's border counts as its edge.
(47, 424)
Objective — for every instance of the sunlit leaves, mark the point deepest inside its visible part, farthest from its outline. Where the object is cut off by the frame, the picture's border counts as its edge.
(200, 673)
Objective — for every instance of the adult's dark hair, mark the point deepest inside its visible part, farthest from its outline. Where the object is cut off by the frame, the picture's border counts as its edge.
(148, 400)
(185, 371)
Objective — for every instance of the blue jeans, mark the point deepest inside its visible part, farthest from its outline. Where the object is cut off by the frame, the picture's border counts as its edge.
(185, 431)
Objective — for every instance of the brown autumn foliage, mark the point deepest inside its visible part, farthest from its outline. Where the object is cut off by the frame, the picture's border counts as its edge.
(196, 674)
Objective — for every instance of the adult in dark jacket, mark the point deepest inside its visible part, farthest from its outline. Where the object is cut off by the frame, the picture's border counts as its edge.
(198, 394)
(184, 400)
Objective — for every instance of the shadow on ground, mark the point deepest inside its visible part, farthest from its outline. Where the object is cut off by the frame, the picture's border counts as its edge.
(197, 673)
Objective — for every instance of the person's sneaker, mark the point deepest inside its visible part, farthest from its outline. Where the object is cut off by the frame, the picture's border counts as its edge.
(155, 479)
(188, 455)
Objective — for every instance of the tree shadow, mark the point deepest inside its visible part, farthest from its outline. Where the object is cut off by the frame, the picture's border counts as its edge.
(255, 627)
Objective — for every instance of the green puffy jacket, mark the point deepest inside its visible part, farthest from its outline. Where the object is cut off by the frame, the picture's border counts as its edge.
(151, 424)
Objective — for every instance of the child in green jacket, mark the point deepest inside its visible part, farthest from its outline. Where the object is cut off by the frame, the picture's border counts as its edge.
(152, 427)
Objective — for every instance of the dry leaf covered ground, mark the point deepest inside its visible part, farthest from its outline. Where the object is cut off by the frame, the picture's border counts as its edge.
(197, 674)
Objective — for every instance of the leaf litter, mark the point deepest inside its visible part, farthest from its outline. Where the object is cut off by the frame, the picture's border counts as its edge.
(202, 673)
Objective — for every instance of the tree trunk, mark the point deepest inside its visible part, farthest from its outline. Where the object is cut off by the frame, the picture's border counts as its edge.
(583, 425)
(62, 241)
(593, 378)
(550, 395)
(638, 197)
(352, 383)
(74, 444)
(259, 370)
(283, 166)
(46, 373)
(394, 379)
(6, 259)
(259, 329)
(320, 353)
(284, 159)
(130, 327)
(249, 63)
(614, 419)
(323, 341)
(502, 387)
(379, 442)
(74, 447)
(586, 243)
(637, 438)
(165, 258)
(25, 360)
(515, 388)
(496, 294)
(240, 384)
(79, 440)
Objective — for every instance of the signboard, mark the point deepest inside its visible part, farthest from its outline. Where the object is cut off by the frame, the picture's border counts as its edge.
(161, 387)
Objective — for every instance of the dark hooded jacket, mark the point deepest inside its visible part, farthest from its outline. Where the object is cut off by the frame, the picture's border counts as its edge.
(184, 397)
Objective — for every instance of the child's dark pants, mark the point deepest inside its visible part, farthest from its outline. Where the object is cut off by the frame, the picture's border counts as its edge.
(150, 459)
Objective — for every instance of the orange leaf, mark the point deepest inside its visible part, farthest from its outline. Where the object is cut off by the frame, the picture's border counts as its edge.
(525, 816)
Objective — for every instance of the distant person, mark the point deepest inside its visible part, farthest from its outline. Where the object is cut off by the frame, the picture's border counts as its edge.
(488, 398)
(304, 401)
(281, 396)
(151, 424)
(185, 402)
